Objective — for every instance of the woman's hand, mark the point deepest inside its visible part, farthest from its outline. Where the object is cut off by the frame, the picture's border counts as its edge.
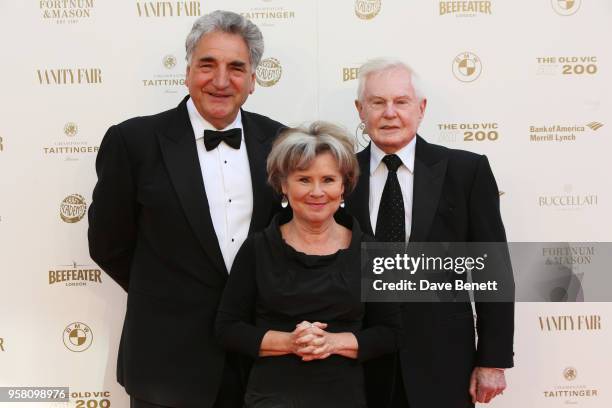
(314, 343)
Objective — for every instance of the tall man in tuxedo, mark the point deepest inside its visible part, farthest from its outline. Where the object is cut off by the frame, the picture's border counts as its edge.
(177, 194)
(412, 190)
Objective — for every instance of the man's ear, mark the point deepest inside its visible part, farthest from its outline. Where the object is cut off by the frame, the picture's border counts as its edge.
(360, 111)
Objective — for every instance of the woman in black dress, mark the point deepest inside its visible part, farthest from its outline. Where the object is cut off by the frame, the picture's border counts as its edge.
(293, 301)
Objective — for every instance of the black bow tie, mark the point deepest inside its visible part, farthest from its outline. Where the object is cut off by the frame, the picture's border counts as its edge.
(232, 137)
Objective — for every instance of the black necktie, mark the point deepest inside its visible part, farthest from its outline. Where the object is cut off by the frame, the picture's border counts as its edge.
(232, 137)
(391, 221)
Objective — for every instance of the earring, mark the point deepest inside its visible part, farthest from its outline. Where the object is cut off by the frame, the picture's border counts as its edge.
(284, 201)
(342, 201)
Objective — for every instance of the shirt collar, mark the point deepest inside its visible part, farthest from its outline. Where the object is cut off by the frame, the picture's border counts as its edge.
(406, 153)
(200, 124)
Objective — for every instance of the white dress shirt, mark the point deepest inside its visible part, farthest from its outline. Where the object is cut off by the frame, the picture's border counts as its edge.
(378, 178)
(227, 182)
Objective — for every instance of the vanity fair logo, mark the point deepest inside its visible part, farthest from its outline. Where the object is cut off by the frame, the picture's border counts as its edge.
(77, 337)
(66, 11)
(474, 132)
(467, 67)
(268, 72)
(72, 148)
(367, 9)
(69, 76)
(566, 7)
(569, 323)
(560, 133)
(465, 8)
(160, 9)
(169, 77)
(73, 208)
(75, 275)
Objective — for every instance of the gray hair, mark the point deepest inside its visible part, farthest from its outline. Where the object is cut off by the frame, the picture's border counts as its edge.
(296, 148)
(377, 65)
(231, 23)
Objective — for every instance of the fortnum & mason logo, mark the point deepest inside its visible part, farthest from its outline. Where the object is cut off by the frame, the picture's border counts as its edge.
(367, 9)
(465, 8)
(73, 208)
(565, 7)
(168, 9)
(77, 337)
(467, 67)
(268, 72)
(66, 11)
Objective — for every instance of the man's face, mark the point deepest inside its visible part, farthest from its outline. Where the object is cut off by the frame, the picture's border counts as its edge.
(390, 109)
(219, 77)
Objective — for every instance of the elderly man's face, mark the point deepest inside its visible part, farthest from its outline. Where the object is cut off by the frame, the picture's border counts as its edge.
(219, 77)
(390, 109)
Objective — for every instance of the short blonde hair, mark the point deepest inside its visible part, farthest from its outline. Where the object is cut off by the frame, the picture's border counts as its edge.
(296, 148)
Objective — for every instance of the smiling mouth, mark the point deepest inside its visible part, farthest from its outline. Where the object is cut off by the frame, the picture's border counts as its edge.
(389, 127)
(220, 96)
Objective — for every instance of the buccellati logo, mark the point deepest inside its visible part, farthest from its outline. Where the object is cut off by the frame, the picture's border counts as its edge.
(565, 7)
(169, 61)
(467, 67)
(71, 129)
(367, 9)
(73, 208)
(77, 337)
(269, 72)
(570, 373)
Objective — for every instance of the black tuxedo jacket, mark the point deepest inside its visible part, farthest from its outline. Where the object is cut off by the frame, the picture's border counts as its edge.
(150, 229)
(455, 199)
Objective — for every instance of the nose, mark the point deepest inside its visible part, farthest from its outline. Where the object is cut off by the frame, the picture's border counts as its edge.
(221, 78)
(389, 111)
(316, 190)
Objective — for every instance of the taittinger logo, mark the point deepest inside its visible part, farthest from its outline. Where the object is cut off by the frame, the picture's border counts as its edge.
(367, 9)
(467, 67)
(77, 337)
(169, 79)
(73, 208)
(269, 72)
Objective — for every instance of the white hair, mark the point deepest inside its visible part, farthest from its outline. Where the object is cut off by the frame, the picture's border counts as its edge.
(377, 65)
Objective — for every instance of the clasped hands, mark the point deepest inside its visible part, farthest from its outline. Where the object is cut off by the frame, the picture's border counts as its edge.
(310, 341)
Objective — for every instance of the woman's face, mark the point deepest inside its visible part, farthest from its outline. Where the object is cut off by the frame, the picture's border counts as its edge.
(315, 193)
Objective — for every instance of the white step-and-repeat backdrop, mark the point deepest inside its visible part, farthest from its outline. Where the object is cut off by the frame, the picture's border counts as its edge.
(527, 82)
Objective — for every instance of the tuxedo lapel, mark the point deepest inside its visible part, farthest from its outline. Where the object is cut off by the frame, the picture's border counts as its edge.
(359, 201)
(256, 145)
(178, 147)
(429, 174)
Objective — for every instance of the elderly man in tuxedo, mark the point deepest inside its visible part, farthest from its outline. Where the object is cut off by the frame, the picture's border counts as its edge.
(411, 190)
(177, 194)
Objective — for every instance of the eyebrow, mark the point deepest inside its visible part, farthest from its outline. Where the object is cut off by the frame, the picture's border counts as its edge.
(235, 63)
